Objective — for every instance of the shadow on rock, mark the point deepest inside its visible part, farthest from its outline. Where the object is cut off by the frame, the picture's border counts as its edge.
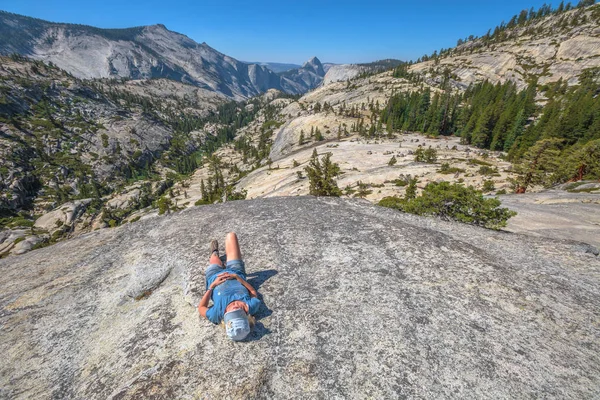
(258, 332)
(256, 279)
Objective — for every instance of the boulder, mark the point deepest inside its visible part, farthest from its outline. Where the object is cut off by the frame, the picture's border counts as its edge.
(26, 245)
(8, 238)
(66, 214)
(359, 302)
(125, 200)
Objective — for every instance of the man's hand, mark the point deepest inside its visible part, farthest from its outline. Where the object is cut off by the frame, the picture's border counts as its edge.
(220, 279)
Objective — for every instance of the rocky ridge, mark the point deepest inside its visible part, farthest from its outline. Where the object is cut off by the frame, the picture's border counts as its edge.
(547, 50)
(143, 53)
(468, 312)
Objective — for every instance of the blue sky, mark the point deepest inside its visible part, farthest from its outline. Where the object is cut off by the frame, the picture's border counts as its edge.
(293, 31)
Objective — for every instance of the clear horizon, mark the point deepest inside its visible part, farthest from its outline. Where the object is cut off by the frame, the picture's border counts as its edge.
(268, 31)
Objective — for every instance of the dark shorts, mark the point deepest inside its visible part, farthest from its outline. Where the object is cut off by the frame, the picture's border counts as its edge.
(237, 266)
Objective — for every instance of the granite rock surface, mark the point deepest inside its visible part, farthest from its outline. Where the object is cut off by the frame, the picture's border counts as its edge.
(359, 301)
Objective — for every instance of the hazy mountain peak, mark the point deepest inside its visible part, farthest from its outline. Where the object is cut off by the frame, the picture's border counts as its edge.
(314, 64)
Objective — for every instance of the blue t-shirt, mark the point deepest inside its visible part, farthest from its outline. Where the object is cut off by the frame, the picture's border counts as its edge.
(225, 293)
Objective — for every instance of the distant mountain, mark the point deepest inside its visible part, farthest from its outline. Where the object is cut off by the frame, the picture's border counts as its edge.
(301, 80)
(343, 72)
(141, 53)
(277, 67)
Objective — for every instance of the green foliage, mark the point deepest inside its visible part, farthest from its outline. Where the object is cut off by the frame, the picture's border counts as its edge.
(580, 162)
(447, 169)
(164, 205)
(411, 189)
(454, 202)
(428, 155)
(17, 221)
(537, 164)
(104, 138)
(488, 171)
(318, 134)
(321, 174)
(499, 117)
(363, 190)
(488, 186)
(392, 161)
(233, 195)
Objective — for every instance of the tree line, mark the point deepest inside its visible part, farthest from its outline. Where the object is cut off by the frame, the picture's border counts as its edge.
(501, 117)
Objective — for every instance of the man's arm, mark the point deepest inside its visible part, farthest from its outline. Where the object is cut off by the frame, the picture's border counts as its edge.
(246, 285)
(203, 305)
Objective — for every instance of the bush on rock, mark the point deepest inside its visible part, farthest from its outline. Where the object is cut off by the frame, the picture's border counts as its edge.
(453, 202)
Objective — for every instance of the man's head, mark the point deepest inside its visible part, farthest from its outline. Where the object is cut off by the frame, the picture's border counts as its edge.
(238, 323)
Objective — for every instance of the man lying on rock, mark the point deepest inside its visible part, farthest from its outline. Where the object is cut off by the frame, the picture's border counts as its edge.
(234, 299)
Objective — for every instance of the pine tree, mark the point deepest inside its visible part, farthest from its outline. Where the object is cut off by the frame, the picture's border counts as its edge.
(536, 165)
(321, 175)
(411, 189)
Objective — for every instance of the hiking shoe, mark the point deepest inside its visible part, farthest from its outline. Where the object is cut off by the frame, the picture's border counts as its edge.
(214, 247)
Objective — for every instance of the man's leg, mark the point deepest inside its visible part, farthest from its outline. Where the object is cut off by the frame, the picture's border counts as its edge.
(215, 265)
(232, 247)
(234, 254)
(214, 259)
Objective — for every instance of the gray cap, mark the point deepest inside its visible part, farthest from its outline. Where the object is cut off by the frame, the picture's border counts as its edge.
(236, 324)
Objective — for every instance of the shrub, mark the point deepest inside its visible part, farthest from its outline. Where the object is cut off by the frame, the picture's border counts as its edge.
(232, 195)
(454, 202)
(392, 161)
(426, 155)
(447, 169)
(411, 190)
(488, 186)
(363, 190)
(164, 205)
(488, 171)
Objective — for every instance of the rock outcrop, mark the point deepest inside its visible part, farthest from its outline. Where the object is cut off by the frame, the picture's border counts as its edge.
(343, 72)
(557, 47)
(556, 214)
(359, 301)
